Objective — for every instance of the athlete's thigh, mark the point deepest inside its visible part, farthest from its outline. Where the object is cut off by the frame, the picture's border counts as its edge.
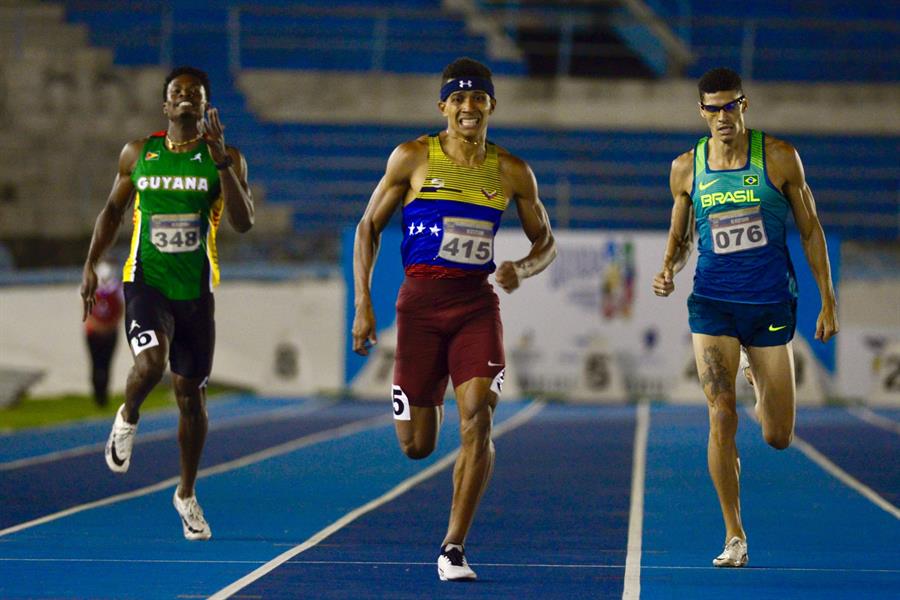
(763, 325)
(194, 340)
(149, 324)
(773, 378)
(420, 359)
(711, 317)
(476, 348)
(420, 428)
(717, 359)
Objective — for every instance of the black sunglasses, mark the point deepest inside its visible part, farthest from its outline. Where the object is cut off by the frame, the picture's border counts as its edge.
(712, 108)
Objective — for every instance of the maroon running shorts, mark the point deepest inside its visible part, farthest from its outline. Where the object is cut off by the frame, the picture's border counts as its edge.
(445, 327)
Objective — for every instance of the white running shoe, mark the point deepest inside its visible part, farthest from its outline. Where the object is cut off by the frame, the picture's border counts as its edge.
(192, 521)
(452, 564)
(734, 554)
(120, 443)
(744, 366)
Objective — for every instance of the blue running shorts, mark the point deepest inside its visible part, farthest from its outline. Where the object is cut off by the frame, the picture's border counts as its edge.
(751, 324)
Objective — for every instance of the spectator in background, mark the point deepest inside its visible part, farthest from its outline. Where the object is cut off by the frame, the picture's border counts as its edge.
(102, 328)
(452, 188)
(739, 185)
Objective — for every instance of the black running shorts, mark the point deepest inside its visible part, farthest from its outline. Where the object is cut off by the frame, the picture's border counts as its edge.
(189, 327)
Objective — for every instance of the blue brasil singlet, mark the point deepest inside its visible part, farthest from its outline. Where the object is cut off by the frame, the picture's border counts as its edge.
(451, 223)
(741, 219)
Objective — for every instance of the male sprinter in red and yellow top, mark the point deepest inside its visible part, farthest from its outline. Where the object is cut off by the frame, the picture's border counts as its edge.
(181, 180)
(453, 188)
(739, 185)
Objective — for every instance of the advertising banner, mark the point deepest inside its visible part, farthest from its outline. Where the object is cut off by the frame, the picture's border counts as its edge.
(589, 328)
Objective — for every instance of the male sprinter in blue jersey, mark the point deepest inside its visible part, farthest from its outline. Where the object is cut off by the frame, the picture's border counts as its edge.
(739, 185)
(453, 187)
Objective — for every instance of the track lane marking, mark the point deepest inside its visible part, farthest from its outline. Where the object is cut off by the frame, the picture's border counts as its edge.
(511, 423)
(632, 588)
(334, 433)
(161, 434)
(873, 418)
(838, 473)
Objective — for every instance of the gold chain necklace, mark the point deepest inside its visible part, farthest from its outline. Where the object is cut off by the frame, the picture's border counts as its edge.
(464, 140)
(173, 144)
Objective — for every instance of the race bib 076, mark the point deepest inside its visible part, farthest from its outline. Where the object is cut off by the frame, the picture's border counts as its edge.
(175, 233)
(467, 241)
(737, 230)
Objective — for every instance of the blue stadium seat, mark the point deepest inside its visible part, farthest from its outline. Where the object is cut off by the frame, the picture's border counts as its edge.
(827, 40)
(326, 173)
(613, 179)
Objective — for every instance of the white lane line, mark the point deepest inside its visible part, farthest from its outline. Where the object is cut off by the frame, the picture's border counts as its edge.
(431, 563)
(632, 589)
(594, 566)
(174, 561)
(873, 418)
(838, 473)
(238, 420)
(284, 448)
(516, 420)
(845, 478)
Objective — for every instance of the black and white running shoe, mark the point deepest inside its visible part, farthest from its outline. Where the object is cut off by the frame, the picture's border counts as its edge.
(120, 443)
(734, 554)
(192, 521)
(452, 564)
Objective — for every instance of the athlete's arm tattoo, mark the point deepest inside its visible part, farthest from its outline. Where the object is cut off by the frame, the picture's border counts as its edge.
(715, 374)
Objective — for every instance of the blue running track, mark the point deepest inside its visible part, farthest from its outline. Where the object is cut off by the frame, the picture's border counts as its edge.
(320, 489)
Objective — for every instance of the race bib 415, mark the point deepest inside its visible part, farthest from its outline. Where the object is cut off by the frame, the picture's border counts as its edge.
(467, 241)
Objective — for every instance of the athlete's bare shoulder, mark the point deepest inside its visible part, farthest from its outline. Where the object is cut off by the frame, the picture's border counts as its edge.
(779, 150)
(510, 163)
(407, 159)
(681, 177)
(409, 154)
(136, 145)
(684, 162)
(518, 178)
(416, 146)
(130, 154)
(782, 162)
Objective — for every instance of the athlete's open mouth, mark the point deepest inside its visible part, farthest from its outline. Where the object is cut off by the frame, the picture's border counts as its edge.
(469, 121)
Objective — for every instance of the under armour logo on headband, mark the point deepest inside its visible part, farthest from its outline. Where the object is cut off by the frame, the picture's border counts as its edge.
(469, 84)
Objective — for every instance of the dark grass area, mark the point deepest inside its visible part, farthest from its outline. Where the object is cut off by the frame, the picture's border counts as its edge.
(65, 408)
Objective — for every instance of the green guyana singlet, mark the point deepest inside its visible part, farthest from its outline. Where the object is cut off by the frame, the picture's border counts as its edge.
(177, 209)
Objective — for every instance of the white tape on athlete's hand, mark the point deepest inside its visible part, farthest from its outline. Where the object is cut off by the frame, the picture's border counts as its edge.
(521, 272)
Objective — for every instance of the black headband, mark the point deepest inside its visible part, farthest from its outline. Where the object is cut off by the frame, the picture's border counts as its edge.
(466, 84)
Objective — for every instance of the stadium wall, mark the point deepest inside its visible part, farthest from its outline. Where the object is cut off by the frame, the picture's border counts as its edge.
(284, 96)
(281, 338)
(290, 337)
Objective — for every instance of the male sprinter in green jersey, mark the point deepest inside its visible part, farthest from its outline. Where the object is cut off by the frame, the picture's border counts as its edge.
(180, 180)
(453, 187)
(739, 185)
